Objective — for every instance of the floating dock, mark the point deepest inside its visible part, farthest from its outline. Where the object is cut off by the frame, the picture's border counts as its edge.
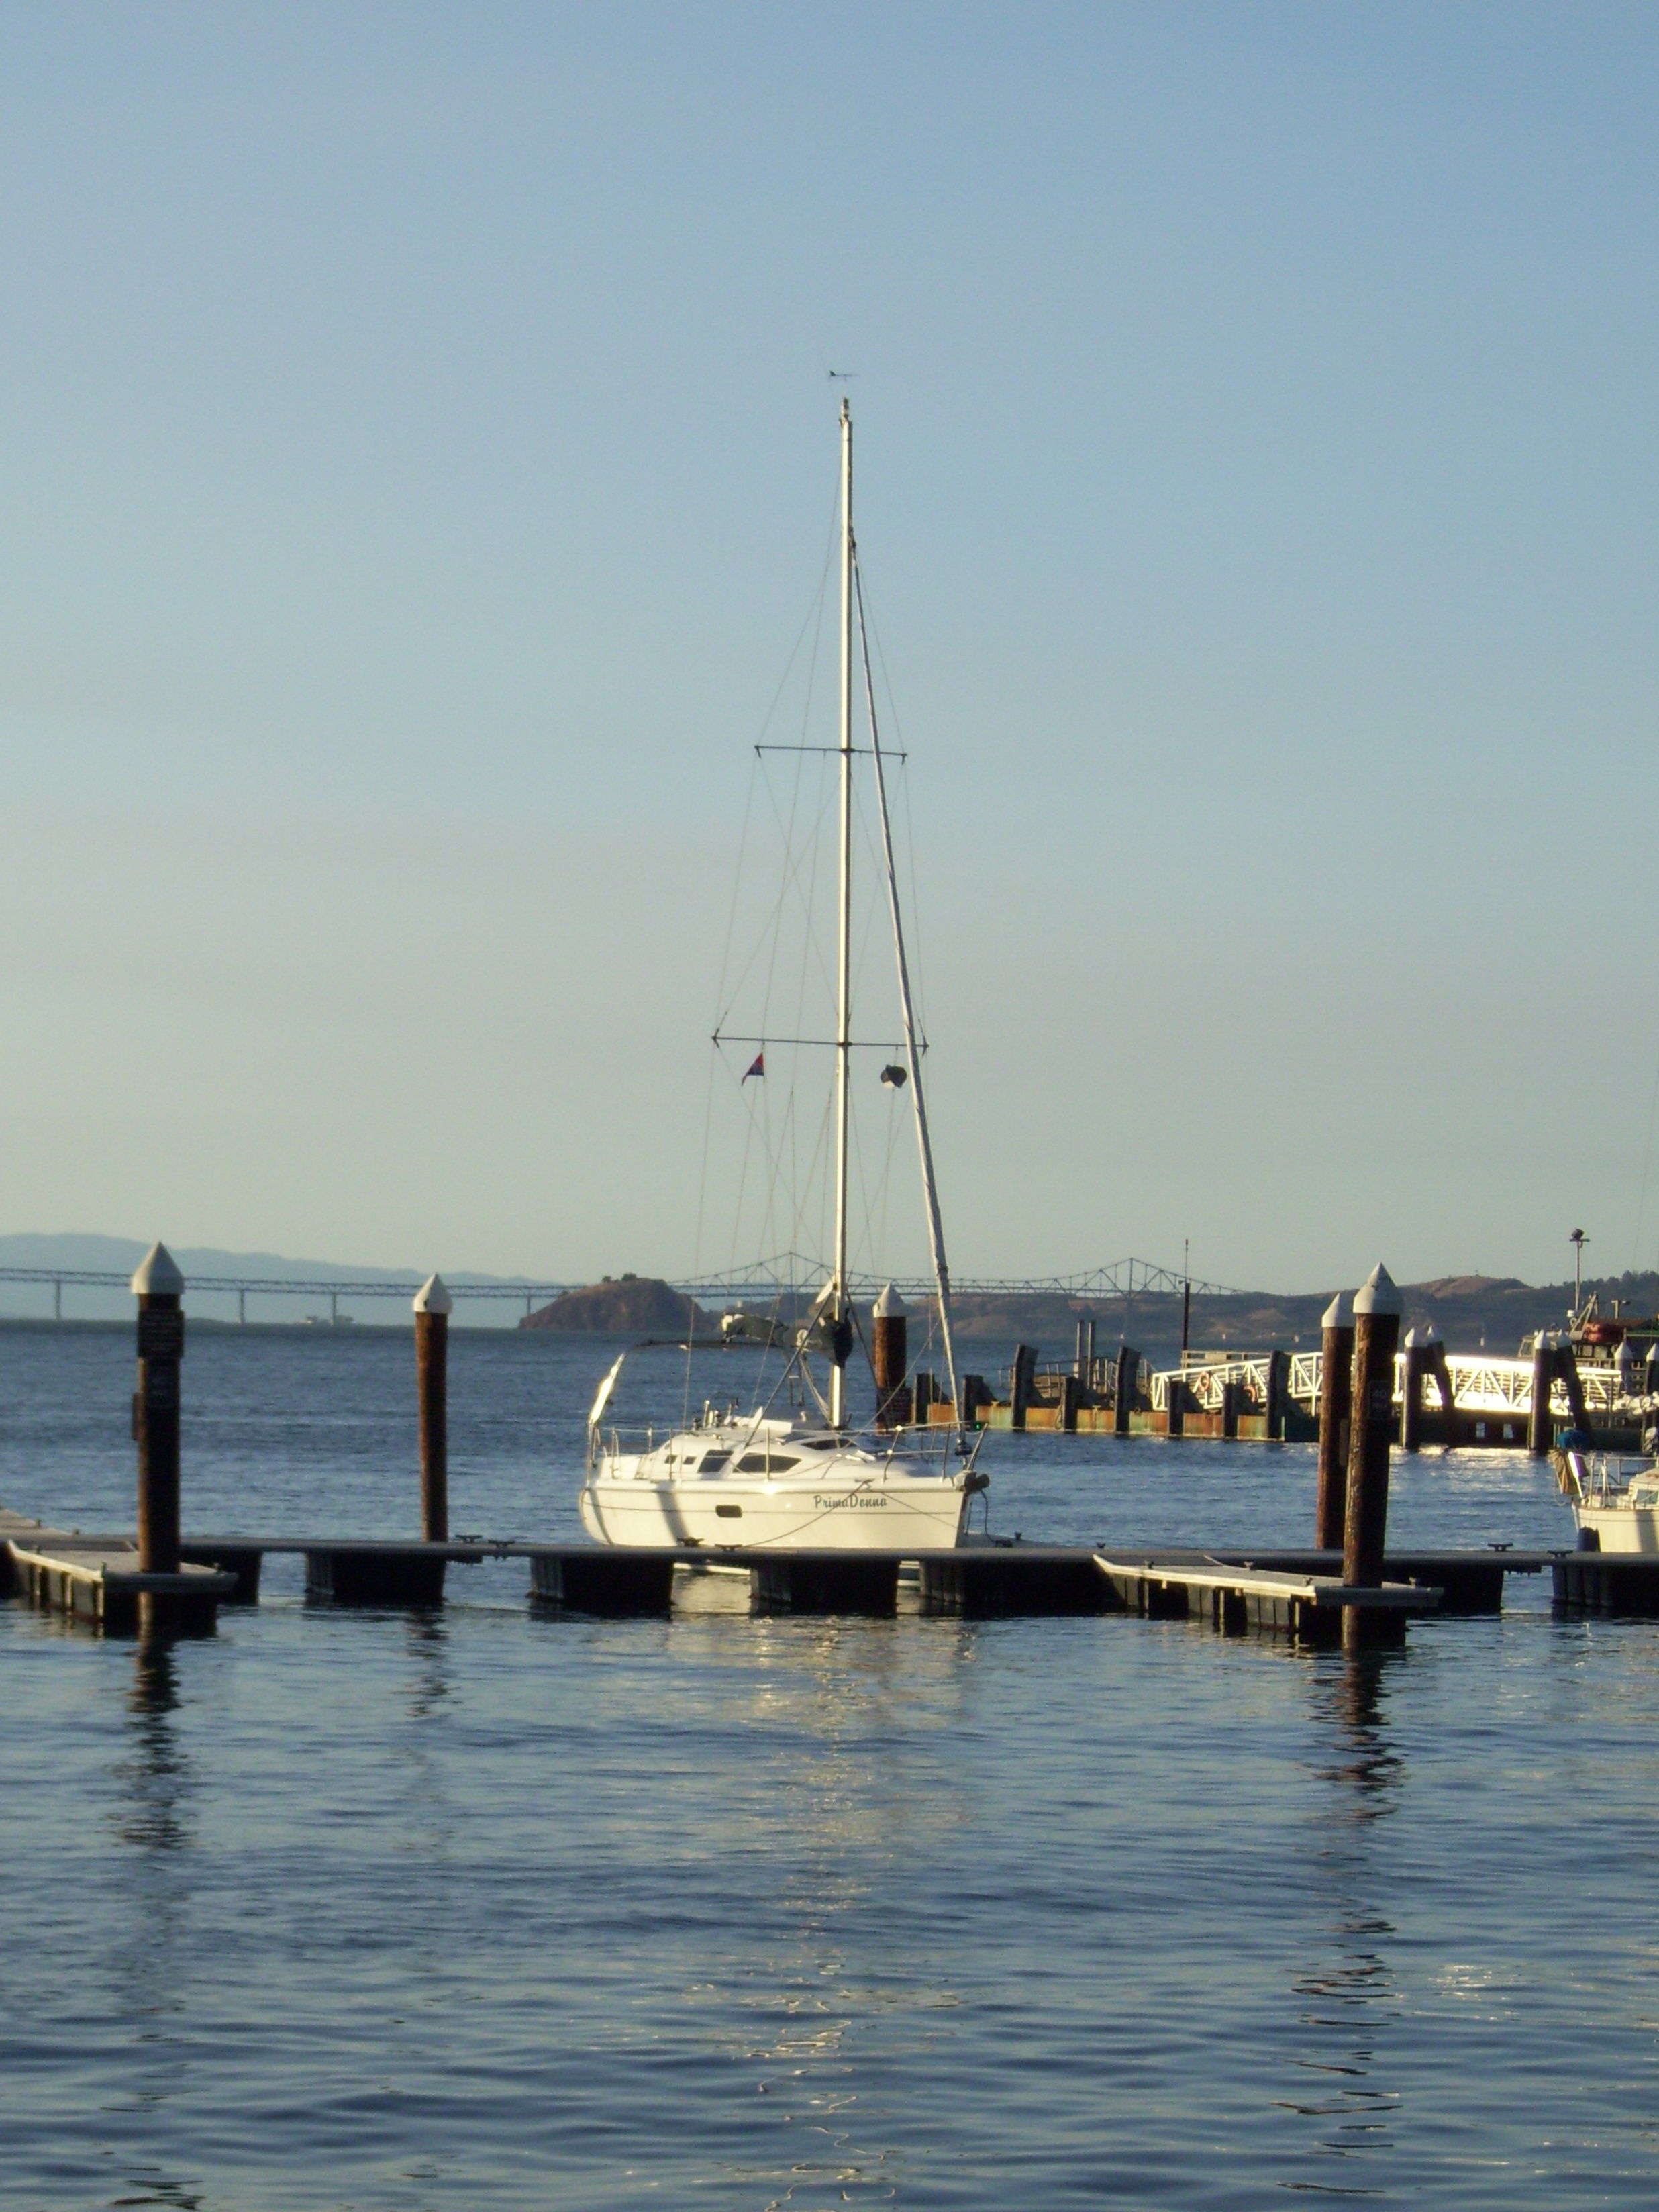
(1623, 1585)
(1299, 1594)
(98, 1578)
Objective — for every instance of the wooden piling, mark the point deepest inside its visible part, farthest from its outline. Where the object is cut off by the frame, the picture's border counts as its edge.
(159, 1287)
(1335, 1398)
(1176, 1418)
(1278, 1388)
(1441, 1371)
(1416, 1368)
(1540, 1433)
(1069, 1387)
(1230, 1395)
(1377, 1312)
(1019, 1389)
(889, 1356)
(1567, 1366)
(1123, 1397)
(433, 1307)
(974, 1394)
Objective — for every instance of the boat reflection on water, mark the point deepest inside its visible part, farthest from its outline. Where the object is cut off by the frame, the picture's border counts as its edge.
(1350, 1997)
(831, 1707)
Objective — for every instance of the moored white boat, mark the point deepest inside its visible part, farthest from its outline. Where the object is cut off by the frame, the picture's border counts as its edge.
(1614, 1502)
(762, 1483)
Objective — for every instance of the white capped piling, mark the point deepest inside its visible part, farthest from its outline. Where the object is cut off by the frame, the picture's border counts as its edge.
(433, 1307)
(889, 1356)
(159, 1287)
(1376, 1310)
(1335, 1404)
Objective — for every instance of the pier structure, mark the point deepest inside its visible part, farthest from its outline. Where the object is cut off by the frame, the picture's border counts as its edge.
(1479, 1398)
(1300, 1594)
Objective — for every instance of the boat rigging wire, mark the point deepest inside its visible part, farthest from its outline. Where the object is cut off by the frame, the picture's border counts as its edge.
(935, 1225)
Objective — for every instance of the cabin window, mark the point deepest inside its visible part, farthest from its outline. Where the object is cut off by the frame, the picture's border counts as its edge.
(763, 1463)
(714, 1463)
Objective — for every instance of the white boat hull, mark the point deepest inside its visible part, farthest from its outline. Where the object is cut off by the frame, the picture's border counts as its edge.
(922, 1515)
(1615, 1503)
(1619, 1528)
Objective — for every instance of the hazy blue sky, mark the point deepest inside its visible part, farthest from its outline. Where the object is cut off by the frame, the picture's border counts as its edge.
(417, 458)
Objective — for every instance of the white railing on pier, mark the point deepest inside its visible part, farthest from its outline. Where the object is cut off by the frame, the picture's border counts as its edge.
(1206, 1382)
(1481, 1383)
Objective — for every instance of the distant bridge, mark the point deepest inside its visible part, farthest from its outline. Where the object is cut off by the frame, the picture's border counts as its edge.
(1121, 1278)
(783, 1273)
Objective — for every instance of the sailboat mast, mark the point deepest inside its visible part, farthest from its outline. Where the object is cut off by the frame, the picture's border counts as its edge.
(844, 939)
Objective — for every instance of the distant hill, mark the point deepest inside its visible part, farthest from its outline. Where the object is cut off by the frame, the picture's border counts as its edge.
(637, 1305)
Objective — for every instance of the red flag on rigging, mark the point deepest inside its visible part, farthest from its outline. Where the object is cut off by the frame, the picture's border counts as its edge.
(756, 1067)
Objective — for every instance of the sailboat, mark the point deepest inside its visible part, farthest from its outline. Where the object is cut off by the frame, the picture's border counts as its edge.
(795, 1475)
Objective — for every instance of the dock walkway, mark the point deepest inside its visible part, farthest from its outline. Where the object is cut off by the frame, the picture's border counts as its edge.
(1288, 1592)
(98, 1578)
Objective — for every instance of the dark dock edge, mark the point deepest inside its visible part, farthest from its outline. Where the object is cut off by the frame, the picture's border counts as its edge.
(1618, 1585)
(975, 1581)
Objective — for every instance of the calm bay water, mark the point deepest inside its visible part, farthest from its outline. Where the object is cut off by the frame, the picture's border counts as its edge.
(483, 1909)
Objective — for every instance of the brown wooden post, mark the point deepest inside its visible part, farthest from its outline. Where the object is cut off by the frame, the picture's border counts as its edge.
(1567, 1366)
(889, 1356)
(1019, 1388)
(1229, 1409)
(1128, 1369)
(1278, 1381)
(1335, 1400)
(1176, 1402)
(158, 1287)
(1068, 1391)
(1441, 1370)
(1540, 1427)
(1376, 1336)
(974, 1395)
(927, 1394)
(1416, 1371)
(433, 1307)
